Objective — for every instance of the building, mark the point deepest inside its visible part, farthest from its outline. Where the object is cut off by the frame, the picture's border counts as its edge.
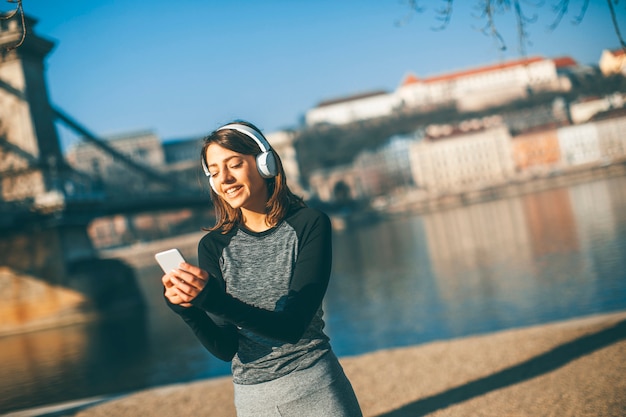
(487, 86)
(182, 150)
(567, 66)
(182, 158)
(536, 150)
(351, 109)
(143, 147)
(613, 62)
(473, 89)
(282, 142)
(379, 172)
(599, 141)
(611, 138)
(579, 145)
(584, 109)
(463, 161)
(372, 173)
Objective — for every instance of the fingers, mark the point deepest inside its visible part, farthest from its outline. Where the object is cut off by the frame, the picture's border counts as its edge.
(173, 295)
(165, 280)
(194, 270)
(194, 277)
(184, 284)
(185, 291)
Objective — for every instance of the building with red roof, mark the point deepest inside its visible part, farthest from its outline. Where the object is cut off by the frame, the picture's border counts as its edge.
(470, 89)
(486, 86)
(613, 62)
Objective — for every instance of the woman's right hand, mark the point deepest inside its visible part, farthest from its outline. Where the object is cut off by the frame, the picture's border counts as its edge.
(184, 284)
(171, 293)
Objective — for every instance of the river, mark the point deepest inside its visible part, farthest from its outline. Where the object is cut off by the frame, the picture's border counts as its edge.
(406, 280)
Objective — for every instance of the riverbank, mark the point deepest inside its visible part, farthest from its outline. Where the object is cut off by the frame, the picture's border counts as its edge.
(569, 368)
(420, 201)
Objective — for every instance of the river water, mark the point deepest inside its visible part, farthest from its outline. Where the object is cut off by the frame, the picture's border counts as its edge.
(519, 261)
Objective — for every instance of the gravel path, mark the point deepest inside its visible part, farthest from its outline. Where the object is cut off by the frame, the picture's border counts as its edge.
(571, 368)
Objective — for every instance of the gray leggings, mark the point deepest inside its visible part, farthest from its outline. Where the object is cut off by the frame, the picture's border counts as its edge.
(321, 390)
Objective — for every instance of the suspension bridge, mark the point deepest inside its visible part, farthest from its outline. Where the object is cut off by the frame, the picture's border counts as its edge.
(46, 204)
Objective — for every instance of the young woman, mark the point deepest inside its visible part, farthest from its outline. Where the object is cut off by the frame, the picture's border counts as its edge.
(256, 297)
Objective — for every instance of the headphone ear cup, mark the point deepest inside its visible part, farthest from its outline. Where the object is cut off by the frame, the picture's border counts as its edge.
(266, 164)
(208, 174)
(211, 184)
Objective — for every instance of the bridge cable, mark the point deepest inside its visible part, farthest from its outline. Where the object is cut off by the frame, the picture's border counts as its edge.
(157, 176)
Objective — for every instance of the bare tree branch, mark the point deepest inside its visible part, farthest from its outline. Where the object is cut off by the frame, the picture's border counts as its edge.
(561, 9)
(522, 22)
(615, 25)
(444, 15)
(18, 10)
(415, 7)
(488, 10)
(581, 15)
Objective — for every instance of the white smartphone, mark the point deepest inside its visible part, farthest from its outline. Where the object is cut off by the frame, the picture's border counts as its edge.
(169, 259)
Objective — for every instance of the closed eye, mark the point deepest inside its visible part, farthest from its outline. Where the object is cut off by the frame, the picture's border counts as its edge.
(233, 162)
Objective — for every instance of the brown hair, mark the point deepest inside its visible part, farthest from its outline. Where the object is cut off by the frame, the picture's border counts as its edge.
(280, 198)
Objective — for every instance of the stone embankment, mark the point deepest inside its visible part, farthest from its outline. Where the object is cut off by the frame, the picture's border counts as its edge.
(421, 201)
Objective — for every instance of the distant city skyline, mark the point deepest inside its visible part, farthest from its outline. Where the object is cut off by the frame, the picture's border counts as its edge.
(183, 68)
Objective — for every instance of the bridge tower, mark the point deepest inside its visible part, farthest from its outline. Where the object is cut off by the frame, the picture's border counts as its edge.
(48, 268)
(26, 117)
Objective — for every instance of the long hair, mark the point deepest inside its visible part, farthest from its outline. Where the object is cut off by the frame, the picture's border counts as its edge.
(280, 198)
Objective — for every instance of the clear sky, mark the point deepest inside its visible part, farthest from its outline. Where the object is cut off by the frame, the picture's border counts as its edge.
(182, 67)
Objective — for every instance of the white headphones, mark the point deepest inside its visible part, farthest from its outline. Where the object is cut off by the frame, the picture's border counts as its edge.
(265, 161)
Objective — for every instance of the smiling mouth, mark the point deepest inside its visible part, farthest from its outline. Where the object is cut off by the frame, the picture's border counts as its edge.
(232, 191)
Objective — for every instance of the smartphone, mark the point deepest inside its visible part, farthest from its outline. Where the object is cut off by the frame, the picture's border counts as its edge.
(169, 259)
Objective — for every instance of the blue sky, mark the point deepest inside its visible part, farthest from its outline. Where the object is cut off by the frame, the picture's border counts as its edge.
(182, 68)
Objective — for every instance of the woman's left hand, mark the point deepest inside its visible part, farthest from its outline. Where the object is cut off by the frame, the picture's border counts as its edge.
(188, 281)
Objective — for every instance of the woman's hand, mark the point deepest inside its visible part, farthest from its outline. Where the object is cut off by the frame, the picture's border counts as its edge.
(184, 284)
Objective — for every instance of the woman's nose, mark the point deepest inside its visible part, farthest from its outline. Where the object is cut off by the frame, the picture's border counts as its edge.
(227, 177)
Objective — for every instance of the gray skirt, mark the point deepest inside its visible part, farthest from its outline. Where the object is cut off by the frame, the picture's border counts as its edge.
(322, 390)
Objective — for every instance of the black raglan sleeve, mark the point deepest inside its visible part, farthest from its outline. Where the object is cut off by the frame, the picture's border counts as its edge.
(306, 291)
(220, 340)
(217, 335)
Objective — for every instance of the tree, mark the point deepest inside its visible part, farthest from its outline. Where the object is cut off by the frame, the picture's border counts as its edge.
(525, 12)
(487, 12)
(19, 10)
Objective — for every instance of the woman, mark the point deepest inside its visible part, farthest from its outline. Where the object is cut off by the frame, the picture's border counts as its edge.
(256, 297)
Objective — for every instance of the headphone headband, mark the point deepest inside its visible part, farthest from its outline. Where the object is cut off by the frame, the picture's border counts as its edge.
(265, 160)
(248, 131)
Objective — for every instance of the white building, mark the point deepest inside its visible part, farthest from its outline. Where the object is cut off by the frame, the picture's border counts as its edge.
(483, 87)
(351, 109)
(282, 142)
(468, 90)
(583, 110)
(579, 144)
(463, 161)
(611, 137)
(613, 62)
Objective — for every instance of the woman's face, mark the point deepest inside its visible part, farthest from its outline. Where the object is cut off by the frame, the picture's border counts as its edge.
(236, 178)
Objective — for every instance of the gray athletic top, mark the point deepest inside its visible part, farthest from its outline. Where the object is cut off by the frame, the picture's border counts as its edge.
(262, 305)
